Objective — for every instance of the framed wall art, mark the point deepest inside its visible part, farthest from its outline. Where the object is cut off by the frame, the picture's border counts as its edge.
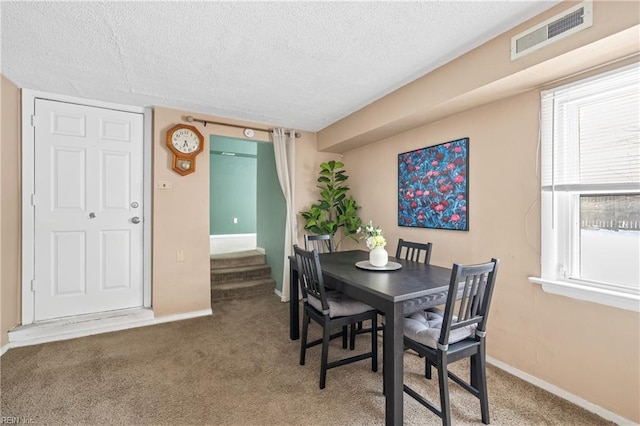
(433, 186)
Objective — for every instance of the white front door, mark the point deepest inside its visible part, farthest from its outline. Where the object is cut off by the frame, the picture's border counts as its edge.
(88, 236)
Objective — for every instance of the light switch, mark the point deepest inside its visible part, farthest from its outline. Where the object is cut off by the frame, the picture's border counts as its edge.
(235, 220)
(164, 185)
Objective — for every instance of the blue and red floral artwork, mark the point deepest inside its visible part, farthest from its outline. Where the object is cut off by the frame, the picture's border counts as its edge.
(433, 187)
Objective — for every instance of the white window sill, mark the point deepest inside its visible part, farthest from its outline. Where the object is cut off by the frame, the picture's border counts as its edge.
(630, 302)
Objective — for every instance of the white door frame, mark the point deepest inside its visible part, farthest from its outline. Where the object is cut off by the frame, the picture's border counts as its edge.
(28, 219)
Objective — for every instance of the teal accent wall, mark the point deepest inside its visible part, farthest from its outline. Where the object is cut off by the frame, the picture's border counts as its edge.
(271, 212)
(233, 186)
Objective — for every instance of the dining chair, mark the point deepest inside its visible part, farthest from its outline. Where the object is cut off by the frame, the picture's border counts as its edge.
(323, 243)
(406, 250)
(329, 309)
(320, 243)
(444, 338)
(414, 251)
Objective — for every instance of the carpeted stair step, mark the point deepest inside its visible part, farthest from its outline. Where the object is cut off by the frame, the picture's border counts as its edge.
(239, 273)
(242, 289)
(242, 258)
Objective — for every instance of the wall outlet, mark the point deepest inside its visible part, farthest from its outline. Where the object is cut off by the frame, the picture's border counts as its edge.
(180, 256)
(235, 220)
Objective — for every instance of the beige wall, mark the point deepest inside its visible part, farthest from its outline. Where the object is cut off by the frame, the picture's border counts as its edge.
(587, 349)
(181, 214)
(180, 222)
(10, 215)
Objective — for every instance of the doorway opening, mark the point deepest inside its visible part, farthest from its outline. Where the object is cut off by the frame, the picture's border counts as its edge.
(247, 208)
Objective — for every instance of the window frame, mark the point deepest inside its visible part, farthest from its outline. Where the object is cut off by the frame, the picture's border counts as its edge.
(560, 222)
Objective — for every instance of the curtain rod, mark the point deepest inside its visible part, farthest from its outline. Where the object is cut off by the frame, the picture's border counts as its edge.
(191, 119)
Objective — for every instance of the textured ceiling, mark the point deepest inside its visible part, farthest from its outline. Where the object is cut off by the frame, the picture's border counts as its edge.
(302, 65)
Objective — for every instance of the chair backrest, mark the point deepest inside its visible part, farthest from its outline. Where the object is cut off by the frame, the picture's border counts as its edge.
(310, 275)
(319, 243)
(475, 283)
(413, 251)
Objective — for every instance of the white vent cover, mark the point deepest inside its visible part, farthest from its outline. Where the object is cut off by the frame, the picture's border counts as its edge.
(553, 29)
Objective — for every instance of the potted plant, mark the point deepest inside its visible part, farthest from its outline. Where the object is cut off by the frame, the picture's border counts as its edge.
(334, 213)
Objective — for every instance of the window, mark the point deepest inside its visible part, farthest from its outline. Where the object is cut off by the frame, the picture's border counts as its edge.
(590, 192)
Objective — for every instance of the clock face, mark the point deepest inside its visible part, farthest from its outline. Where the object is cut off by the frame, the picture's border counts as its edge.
(185, 141)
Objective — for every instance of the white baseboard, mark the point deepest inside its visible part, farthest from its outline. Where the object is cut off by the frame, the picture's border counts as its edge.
(87, 325)
(589, 406)
(4, 348)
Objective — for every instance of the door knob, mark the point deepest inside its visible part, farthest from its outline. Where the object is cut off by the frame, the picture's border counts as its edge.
(135, 219)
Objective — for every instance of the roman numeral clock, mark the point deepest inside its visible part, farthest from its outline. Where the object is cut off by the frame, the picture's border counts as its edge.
(185, 142)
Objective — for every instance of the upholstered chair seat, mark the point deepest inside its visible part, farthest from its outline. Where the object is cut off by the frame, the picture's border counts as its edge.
(426, 326)
(340, 305)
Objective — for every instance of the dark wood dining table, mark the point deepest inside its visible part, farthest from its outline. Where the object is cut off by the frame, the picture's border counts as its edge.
(415, 286)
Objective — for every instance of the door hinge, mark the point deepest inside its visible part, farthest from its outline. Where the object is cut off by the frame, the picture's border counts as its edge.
(33, 199)
(33, 285)
(33, 120)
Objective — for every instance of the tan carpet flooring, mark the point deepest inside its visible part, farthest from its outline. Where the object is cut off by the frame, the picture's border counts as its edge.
(237, 367)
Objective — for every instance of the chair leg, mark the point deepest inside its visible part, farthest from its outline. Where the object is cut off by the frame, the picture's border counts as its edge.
(384, 357)
(352, 338)
(326, 333)
(443, 379)
(481, 381)
(344, 337)
(303, 339)
(473, 367)
(427, 368)
(374, 344)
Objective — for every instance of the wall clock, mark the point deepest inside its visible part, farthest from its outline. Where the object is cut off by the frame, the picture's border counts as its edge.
(185, 142)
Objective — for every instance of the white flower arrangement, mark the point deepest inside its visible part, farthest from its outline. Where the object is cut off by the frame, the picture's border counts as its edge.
(373, 236)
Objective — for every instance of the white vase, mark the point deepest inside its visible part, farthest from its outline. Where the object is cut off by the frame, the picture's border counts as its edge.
(378, 257)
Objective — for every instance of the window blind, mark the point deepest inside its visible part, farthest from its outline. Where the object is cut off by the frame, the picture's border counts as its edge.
(591, 134)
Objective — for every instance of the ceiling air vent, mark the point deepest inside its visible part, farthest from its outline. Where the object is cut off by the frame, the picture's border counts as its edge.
(553, 29)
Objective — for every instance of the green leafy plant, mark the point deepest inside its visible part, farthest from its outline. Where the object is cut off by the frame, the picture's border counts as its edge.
(334, 213)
